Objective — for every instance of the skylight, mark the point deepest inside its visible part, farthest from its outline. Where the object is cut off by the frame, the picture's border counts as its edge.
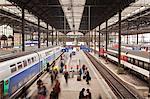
(73, 10)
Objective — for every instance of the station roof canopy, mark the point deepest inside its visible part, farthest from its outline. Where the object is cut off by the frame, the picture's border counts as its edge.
(49, 11)
(100, 11)
(52, 12)
(14, 21)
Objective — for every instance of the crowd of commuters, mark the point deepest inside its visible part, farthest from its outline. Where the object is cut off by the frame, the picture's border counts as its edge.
(54, 94)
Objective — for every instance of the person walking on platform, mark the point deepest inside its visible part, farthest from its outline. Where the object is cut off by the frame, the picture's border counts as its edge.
(71, 72)
(88, 96)
(83, 68)
(66, 75)
(80, 72)
(62, 66)
(39, 82)
(52, 77)
(70, 55)
(42, 92)
(55, 73)
(88, 77)
(84, 73)
(57, 89)
(53, 94)
(81, 94)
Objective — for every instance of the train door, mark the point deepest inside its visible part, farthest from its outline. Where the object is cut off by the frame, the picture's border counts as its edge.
(44, 63)
(1, 90)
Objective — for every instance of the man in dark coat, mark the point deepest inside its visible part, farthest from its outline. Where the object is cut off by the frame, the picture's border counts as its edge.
(81, 94)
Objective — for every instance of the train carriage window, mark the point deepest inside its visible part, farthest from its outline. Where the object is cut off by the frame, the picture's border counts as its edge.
(25, 63)
(13, 68)
(19, 65)
(132, 61)
(136, 62)
(146, 65)
(29, 61)
(32, 59)
(141, 64)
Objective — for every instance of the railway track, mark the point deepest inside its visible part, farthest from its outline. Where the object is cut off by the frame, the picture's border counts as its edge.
(118, 87)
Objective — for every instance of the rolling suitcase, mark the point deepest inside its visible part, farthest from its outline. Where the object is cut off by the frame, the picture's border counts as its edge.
(78, 78)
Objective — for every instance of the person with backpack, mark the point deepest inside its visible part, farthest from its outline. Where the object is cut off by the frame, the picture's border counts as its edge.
(88, 77)
(81, 94)
(62, 66)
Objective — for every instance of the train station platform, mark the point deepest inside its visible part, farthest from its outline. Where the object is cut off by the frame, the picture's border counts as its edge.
(10, 51)
(97, 86)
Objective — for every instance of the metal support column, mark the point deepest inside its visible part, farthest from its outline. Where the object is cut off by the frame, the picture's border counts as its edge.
(30, 34)
(106, 36)
(56, 38)
(47, 36)
(13, 40)
(23, 32)
(95, 40)
(52, 36)
(119, 37)
(127, 33)
(99, 40)
(127, 39)
(89, 24)
(39, 35)
(137, 39)
(64, 29)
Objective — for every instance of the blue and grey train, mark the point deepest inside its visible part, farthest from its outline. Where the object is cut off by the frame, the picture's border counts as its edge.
(85, 48)
(19, 71)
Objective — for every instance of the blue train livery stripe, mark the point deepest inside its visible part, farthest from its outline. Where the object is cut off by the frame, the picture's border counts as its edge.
(20, 79)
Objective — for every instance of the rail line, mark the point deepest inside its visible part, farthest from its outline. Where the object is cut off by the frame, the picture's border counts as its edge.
(118, 87)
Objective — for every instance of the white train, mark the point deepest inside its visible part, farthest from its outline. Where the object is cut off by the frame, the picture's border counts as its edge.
(137, 61)
(139, 64)
(16, 72)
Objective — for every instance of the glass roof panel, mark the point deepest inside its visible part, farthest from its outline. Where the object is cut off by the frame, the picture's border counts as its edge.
(73, 10)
